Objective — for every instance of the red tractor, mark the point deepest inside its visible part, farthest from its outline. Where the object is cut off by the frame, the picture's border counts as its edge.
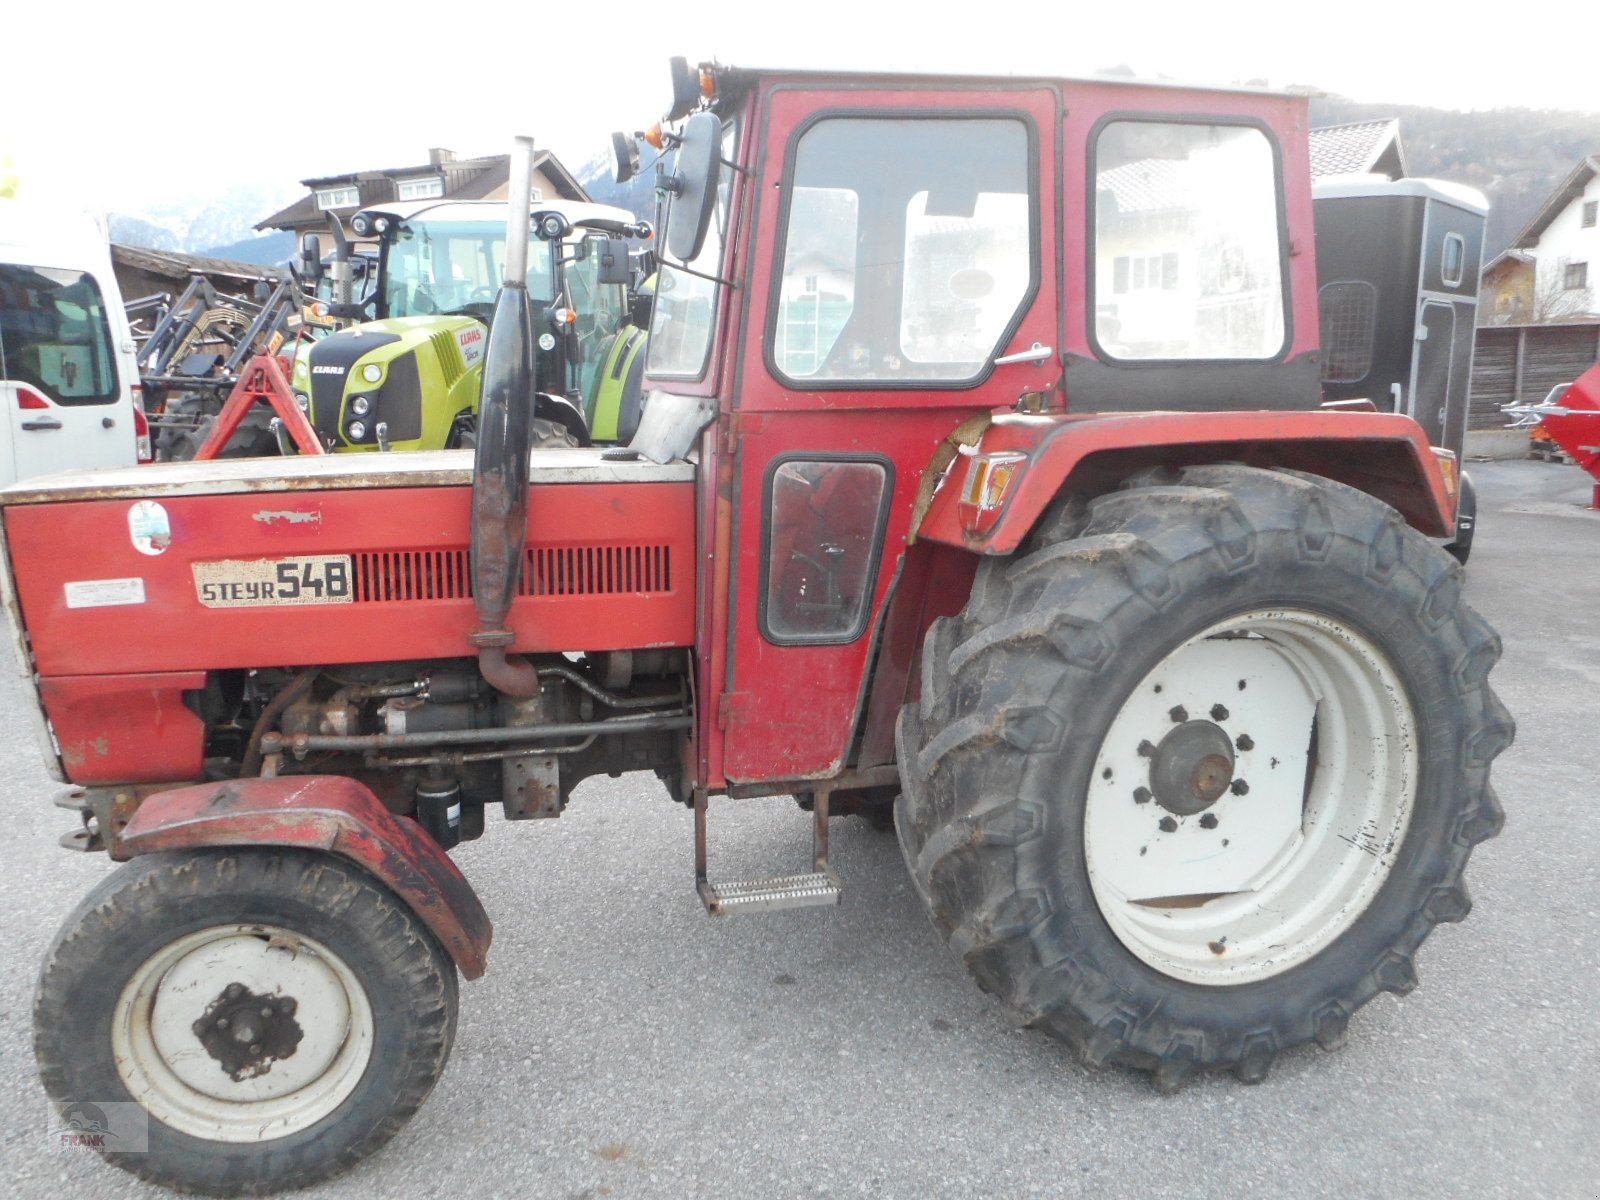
(986, 478)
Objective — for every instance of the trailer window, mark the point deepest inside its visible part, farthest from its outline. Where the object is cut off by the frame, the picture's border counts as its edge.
(1349, 309)
(54, 335)
(1188, 243)
(907, 250)
(824, 527)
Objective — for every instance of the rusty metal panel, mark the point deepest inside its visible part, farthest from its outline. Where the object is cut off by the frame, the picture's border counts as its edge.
(322, 812)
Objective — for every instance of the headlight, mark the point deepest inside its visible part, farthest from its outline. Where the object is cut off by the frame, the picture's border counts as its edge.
(381, 224)
(303, 400)
(360, 405)
(357, 430)
(362, 224)
(372, 372)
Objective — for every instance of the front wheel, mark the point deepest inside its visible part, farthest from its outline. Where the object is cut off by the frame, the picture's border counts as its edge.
(1190, 780)
(278, 1015)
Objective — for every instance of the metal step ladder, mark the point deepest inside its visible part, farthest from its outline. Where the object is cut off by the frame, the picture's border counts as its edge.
(817, 888)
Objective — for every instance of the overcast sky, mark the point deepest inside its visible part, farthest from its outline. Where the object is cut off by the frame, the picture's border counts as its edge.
(177, 102)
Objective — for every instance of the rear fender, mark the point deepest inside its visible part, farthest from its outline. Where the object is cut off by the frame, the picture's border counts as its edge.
(329, 813)
(1386, 455)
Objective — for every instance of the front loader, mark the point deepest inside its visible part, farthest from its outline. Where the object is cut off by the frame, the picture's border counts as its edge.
(986, 480)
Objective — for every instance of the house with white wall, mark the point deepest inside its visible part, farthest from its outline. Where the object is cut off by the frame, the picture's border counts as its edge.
(1564, 241)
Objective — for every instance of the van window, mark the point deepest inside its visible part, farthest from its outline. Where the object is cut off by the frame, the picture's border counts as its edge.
(54, 335)
(1188, 248)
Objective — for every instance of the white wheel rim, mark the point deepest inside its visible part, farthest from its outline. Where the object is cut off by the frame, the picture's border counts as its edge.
(270, 989)
(1261, 880)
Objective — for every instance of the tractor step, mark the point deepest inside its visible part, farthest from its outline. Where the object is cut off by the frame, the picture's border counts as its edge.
(816, 890)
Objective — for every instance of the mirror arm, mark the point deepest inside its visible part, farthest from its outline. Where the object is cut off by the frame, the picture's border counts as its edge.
(731, 283)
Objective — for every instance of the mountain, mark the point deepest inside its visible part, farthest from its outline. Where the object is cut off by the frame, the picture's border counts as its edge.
(266, 249)
(204, 226)
(1515, 156)
(638, 195)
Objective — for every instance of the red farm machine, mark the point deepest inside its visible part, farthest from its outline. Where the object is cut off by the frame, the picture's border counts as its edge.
(988, 477)
(1569, 417)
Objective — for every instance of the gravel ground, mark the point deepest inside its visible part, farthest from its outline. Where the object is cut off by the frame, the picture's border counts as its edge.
(625, 1046)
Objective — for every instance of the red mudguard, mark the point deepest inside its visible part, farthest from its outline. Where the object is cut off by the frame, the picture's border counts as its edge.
(1384, 454)
(322, 812)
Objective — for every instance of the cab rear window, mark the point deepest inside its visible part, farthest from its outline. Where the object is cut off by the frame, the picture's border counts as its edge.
(54, 335)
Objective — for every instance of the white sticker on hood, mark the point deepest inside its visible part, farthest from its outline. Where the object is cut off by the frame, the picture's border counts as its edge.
(149, 527)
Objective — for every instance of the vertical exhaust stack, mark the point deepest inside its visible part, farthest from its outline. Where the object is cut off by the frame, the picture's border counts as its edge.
(500, 469)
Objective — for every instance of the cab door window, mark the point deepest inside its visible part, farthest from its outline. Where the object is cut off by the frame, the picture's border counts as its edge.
(907, 250)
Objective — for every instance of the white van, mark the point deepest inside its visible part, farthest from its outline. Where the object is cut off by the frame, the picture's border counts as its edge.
(68, 378)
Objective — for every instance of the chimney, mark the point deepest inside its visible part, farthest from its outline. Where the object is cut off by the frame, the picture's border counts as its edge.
(438, 156)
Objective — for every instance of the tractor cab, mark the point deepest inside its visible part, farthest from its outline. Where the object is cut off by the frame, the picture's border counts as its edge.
(407, 375)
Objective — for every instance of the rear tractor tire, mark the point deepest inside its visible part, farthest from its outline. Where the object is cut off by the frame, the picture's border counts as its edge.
(278, 1014)
(1193, 776)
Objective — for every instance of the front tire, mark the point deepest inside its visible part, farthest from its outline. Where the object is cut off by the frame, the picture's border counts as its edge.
(278, 1014)
(1077, 810)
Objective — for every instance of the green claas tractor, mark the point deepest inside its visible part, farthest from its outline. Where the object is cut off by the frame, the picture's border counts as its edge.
(407, 375)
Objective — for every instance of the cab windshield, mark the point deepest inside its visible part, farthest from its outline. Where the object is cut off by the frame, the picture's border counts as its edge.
(457, 267)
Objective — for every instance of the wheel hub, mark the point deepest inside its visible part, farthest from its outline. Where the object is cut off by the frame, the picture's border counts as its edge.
(1191, 768)
(246, 1033)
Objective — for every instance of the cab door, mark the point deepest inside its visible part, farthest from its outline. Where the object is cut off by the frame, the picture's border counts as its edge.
(909, 282)
(61, 374)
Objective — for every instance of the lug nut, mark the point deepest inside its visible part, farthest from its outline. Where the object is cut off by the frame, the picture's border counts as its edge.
(1141, 795)
(1239, 788)
(1168, 825)
(1245, 742)
(1147, 749)
(1218, 713)
(1209, 821)
(1178, 713)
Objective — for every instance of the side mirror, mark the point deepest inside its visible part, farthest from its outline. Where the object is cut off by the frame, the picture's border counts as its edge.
(685, 88)
(694, 186)
(310, 266)
(626, 150)
(614, 265)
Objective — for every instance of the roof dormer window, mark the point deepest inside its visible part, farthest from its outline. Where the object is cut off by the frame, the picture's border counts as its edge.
(424, 187)
(338, 197)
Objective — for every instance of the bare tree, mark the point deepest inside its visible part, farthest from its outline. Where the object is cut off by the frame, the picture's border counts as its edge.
(1553, 300)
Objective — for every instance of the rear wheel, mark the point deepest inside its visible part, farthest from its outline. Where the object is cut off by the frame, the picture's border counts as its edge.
(278, 1015)
(1192, 778)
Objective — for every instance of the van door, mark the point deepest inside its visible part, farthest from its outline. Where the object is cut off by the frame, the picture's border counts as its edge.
(67, 405)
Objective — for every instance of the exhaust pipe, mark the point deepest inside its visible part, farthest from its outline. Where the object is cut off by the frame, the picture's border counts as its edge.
(500, 468)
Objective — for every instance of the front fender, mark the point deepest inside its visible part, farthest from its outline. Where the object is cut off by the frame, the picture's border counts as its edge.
(1386, 455)
(329, 813)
